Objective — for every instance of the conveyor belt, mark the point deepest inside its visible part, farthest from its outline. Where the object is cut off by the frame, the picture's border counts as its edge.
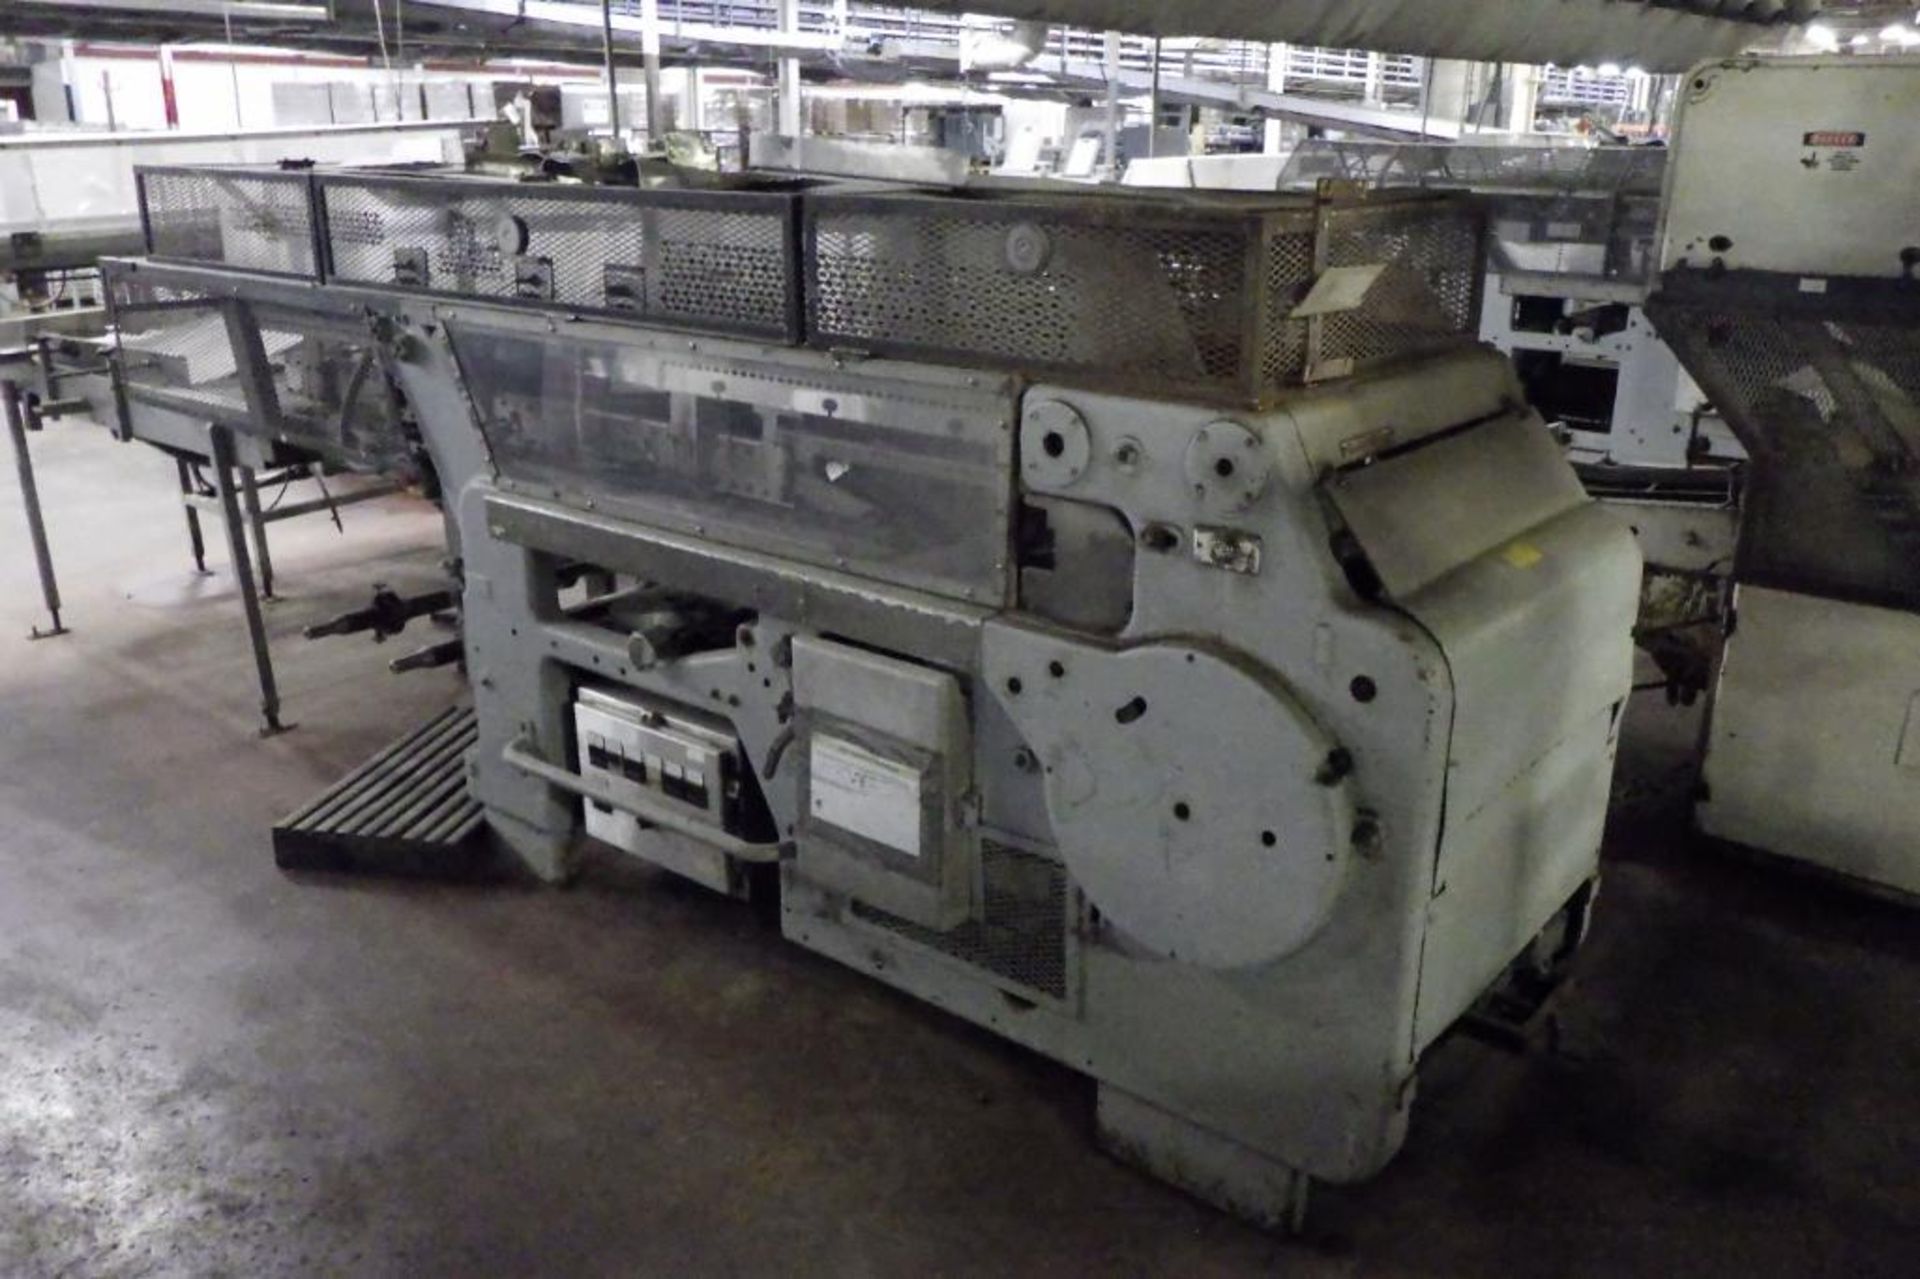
(405, 811)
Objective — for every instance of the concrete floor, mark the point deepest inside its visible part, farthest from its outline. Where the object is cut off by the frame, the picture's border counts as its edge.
(208, 1067)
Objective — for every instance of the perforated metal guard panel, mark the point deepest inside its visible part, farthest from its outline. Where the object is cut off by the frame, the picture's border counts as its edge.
(1827, 403)
(1289, 274)
(1021, 935)
(1505, 170)
(249, 219)
(1425, 300)
(723, 261)
(1137, 290)
(1189, 298)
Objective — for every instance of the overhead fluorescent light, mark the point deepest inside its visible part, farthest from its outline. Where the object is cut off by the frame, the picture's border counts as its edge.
(258, 10)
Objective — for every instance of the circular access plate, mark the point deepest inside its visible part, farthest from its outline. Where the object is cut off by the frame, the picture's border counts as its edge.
(1055, 446)
(1227, 467)
(1190, 798)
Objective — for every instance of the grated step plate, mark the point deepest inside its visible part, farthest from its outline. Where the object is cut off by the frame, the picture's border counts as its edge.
(406, 811)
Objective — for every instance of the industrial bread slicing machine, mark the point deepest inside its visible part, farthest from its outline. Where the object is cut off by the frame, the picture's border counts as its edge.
(1152, 629)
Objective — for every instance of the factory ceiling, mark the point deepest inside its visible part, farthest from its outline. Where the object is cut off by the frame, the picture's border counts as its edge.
(1655, 35)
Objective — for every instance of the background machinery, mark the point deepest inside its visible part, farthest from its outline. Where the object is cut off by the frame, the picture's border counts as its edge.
(1798, 314)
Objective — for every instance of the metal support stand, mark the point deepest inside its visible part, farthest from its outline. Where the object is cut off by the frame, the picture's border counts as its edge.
(1110, 135)
(195, 538)
(613, 86)
(257, 523)
(650, 54)
(30, 500)
(790, 121)
(221, 440)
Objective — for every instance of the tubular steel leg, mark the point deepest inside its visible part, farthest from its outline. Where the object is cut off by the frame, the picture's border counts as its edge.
(43, 360)
(195, 538)
(256, 521)
(223, 469)
(30, 500)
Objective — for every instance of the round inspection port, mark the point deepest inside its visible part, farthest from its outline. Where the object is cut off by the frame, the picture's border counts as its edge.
(1055, 445)
(1363, 688)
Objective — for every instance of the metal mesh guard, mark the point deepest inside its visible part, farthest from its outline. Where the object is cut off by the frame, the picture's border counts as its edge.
(250, 219)
(721, 260)
(1826, 403)
(1176, 298)
(1021, 935)
(1427, 297)
(1128, 288)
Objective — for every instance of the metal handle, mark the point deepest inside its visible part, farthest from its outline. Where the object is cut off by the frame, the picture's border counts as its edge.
(519, 753)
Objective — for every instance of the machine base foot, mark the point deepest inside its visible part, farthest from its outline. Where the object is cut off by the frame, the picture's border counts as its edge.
(1217, 1169)
(548, 857)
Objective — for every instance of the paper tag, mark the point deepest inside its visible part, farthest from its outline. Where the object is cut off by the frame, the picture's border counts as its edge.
(865, 793)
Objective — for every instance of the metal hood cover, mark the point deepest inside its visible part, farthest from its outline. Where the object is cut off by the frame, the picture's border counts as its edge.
(1655, 35)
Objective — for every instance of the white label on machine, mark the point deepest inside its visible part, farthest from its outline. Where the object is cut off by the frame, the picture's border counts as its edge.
(865, 793)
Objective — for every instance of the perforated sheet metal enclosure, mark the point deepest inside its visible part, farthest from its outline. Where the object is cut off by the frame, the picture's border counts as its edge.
(247, 217)
(722, 261)
(1191, 297)
(1426, 297)
(1824, 391)
(1487, 170)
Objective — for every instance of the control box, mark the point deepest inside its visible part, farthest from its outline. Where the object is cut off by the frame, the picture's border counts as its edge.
(652, 749)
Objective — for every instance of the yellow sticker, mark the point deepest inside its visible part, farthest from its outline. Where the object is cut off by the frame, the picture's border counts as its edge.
(1522, 555)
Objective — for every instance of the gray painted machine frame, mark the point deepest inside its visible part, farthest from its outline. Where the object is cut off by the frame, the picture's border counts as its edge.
(1459, 812)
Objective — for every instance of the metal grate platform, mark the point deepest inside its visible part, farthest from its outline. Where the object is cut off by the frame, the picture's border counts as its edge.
(405, 811)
